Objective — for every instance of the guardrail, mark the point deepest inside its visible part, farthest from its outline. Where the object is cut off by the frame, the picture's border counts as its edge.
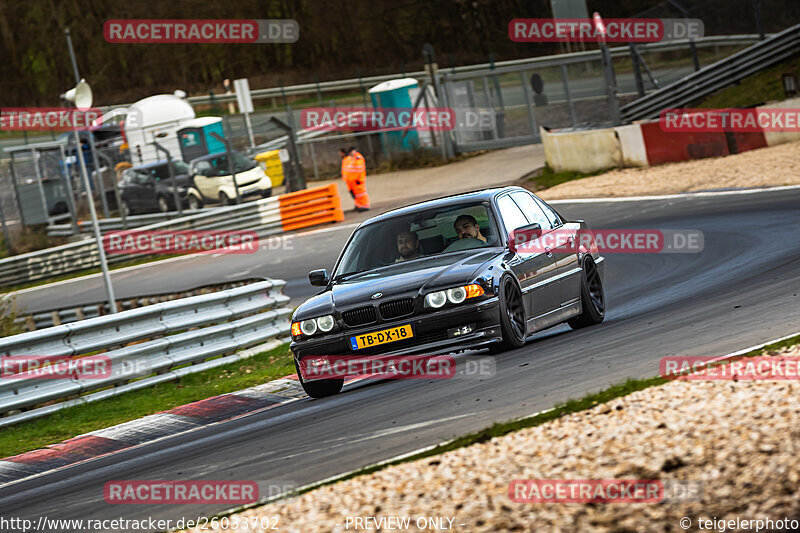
(46, 318)
(358, 83)
(143, 347)
(115, 223)
(716, 76)
(318, 205)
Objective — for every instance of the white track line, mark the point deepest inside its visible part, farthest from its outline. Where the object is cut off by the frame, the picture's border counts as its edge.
(672, 196)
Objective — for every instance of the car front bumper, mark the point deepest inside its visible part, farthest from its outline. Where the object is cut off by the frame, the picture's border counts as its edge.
(433, 334)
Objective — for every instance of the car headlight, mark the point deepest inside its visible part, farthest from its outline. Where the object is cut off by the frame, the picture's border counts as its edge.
(308, 327)
(457, 295)
(436, 299)
(325, 323)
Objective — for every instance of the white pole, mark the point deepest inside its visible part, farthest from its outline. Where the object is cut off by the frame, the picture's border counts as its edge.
(112, 303)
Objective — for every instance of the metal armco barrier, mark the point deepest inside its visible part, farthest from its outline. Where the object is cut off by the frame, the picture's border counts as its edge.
(716, 76)
(309, 207)
(57, 316)
(114, 224)
(146, 346)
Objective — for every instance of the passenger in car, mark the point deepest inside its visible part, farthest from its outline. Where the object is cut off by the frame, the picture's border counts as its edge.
(466, 227)
(407, 246)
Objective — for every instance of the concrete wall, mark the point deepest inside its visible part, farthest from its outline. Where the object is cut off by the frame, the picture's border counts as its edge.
(646, 143)
(584, 151)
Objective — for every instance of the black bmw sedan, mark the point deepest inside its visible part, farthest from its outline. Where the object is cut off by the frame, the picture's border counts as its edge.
(474, 270)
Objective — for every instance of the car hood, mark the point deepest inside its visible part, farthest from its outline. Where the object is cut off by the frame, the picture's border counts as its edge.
(418, 276)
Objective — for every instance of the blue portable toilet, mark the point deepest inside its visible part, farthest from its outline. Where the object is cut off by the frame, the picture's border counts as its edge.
(396, 93)
(196, 139)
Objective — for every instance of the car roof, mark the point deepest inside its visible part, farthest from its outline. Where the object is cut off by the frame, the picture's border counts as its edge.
(482, 195)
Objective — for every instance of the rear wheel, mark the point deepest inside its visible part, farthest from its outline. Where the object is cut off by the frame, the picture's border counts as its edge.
(319, 388)
(513, 323)
(163, 205)
(194, 202)
(593, 298)
(224, 199)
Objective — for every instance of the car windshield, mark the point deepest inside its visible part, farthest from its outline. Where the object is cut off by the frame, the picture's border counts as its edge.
(218, 165)
(418, 235)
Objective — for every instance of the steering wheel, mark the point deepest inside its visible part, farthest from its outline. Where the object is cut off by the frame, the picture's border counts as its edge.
(465, 244)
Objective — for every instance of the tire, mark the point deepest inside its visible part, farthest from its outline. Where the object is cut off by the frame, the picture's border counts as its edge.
(224, 200)
(593, 300)
(513, 322)
(319, 388)
(194, 202)
(163, 205)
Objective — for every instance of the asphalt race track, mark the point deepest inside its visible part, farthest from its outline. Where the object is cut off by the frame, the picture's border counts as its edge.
(743, 289)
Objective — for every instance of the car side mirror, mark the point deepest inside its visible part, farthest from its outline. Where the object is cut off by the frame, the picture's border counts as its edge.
(318, 278)
(519, 236)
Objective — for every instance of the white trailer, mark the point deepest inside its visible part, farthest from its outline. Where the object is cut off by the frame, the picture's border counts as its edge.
(158, 118)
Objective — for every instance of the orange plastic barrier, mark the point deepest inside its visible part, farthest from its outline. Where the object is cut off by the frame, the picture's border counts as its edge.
(310, 207)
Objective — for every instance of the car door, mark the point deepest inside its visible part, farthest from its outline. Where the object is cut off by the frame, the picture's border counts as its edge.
(568, 266)
(204, 177)
(533, 267)
(135, 188)
(557, 239)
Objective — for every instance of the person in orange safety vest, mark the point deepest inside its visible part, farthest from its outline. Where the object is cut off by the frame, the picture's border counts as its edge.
(354, 174)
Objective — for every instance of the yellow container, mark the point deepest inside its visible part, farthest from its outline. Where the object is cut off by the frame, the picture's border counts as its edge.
(271, 163)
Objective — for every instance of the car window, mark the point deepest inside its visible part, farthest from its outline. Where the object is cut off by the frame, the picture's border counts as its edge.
(376, 245)
(532, 210)
(511, 214)
(220, 165)
(202, 168)
(555, 220)
(159, 172)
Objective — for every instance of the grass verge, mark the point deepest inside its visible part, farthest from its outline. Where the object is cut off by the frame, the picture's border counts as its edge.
(81, 419)
(503, 428)
(546, 177)
(764, 86)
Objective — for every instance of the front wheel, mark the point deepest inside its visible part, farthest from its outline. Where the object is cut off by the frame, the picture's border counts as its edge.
(513, 323)
(194, 202)
(319, 388)
(593, 300)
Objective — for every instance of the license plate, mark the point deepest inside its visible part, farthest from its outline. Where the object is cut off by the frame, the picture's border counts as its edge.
(381, 337)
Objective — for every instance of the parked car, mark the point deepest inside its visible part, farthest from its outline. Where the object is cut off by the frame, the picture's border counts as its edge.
(148, 188)
(214, 182)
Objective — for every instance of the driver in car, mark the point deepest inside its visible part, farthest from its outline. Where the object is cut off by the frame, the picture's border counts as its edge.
(407, 246)
(467, 228)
